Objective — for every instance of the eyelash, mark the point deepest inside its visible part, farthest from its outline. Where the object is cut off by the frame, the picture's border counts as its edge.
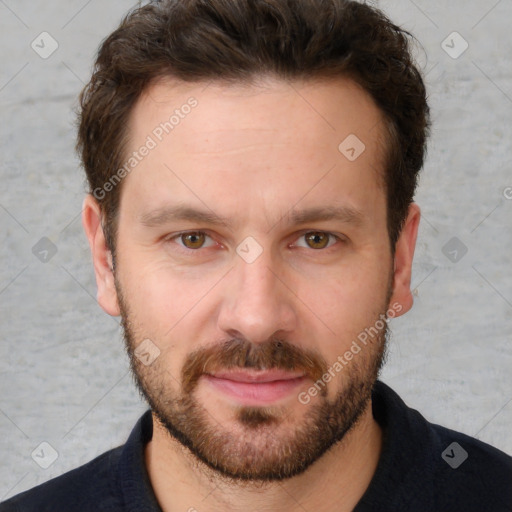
(188, 251)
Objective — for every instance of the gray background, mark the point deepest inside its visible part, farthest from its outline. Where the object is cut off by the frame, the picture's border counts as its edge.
(64, 376)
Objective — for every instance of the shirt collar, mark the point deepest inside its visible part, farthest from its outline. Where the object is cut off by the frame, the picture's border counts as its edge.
(134, 479)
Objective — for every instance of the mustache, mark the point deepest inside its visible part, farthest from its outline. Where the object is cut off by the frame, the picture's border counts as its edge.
(240, 353)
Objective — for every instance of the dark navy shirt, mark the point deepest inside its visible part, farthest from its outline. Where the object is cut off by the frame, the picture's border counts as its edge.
(423, 468)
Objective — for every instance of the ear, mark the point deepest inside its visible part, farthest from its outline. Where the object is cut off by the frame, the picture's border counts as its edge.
(101, 255)
(404, 254)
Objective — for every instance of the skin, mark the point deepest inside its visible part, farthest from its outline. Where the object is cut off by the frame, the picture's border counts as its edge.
(252, 154)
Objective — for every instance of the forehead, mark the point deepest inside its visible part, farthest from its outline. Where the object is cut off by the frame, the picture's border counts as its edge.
(332, 108)
(284, 136)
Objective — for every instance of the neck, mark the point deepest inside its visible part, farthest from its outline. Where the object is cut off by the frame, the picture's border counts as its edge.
(334, 482)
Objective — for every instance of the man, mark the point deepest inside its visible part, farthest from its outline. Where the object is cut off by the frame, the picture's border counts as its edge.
(252, 167)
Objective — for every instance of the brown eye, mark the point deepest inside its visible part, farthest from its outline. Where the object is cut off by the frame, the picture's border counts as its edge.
(193, 240)
(317, 239)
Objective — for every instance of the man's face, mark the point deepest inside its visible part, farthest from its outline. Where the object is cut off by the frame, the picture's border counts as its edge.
(249, 313)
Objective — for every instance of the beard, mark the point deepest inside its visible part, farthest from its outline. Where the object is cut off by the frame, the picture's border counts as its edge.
(266, 444)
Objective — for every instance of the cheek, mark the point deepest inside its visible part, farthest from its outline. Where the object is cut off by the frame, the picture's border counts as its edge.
(156, 313)
(348, 301)
(167, 306)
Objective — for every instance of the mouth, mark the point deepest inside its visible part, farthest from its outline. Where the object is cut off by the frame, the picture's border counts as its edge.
(250, 387)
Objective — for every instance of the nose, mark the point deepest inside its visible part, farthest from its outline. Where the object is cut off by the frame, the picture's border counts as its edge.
(257, 303)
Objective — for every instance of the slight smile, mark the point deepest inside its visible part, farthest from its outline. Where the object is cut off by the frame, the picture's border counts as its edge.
(256, 387)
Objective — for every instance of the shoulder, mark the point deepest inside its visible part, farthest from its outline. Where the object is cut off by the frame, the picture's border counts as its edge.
(425, 466)
(470, 472)
(82, 488)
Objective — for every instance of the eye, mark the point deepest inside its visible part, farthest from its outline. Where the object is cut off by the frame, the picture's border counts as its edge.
(318, 239)
(192, 239)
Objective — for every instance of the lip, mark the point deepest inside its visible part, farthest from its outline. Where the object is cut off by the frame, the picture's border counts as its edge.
(255, 387)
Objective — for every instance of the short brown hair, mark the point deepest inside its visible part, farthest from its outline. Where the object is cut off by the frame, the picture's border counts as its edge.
(237, 41)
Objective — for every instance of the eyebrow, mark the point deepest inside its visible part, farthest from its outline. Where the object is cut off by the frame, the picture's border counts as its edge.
(345, 214)
(162, 216)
